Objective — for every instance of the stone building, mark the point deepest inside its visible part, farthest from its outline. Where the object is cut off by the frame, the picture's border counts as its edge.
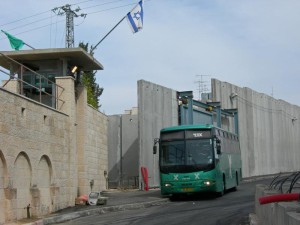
(53, 145)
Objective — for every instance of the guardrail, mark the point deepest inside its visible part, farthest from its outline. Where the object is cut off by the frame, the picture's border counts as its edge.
(40, 90)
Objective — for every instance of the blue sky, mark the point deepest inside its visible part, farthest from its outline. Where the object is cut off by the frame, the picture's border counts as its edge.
(253, 44)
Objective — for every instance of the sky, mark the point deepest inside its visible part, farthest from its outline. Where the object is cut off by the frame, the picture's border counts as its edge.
(249, 43)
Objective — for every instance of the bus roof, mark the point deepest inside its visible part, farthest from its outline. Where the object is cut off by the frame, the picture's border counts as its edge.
(187, 127)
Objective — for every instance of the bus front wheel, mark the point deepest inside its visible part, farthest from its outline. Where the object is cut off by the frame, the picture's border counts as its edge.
(222, 192)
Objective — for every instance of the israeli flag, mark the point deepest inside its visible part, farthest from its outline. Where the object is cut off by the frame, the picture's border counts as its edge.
(135, 17)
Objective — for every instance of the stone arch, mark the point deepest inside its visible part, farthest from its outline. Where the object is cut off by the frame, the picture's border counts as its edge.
(22, 177)
(3, 185)
(44, 178)
(3, 171)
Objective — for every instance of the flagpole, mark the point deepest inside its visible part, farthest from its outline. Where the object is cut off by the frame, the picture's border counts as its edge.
(107, 34)
(9, 36)
(28, 45)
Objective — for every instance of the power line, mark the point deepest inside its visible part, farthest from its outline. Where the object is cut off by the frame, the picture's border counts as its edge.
(50, 24)
(33, 29)
(70, 14)
(24, 18)
(36, 21)
(117, 7)
(105, 3)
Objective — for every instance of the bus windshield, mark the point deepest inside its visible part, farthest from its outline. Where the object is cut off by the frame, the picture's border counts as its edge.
(186, 156)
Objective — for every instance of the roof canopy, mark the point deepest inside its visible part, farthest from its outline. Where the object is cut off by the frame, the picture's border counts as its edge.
(74, 56)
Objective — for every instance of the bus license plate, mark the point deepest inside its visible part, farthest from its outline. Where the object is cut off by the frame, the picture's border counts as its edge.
(187, 189)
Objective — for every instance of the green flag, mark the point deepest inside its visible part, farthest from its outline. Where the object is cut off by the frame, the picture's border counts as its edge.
(15, 43)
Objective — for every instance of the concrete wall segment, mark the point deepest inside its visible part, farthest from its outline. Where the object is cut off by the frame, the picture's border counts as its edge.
(157, 108)
(268, 137)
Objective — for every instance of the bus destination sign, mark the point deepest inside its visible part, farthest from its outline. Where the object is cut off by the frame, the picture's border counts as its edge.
(190, 134)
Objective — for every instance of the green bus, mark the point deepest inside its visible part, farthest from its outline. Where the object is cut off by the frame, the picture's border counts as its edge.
(198, 158)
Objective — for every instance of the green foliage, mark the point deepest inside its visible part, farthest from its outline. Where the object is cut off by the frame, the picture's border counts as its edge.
(88, 79)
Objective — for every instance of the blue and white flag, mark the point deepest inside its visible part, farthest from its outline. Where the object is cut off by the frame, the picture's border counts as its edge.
(135, 17)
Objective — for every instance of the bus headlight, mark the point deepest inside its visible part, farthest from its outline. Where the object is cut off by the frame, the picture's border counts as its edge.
(168, 185)
(207, 183)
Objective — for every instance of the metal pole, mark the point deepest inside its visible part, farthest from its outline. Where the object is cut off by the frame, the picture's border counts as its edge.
(28, 45)
(121, 154)
(190, 110)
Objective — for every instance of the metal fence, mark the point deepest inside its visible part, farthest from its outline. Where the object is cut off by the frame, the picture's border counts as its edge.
(57, 90)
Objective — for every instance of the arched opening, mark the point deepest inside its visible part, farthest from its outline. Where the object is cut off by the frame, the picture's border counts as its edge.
(22, 176)
(44, 173)
(3, 185)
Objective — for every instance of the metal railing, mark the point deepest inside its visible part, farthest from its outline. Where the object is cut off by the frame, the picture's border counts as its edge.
(39, 88)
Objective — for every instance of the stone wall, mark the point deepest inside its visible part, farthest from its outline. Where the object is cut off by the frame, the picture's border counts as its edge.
(47, 156)
(91, 144)
(34, 158)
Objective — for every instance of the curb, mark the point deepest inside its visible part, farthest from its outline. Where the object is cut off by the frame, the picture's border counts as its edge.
(100, 210)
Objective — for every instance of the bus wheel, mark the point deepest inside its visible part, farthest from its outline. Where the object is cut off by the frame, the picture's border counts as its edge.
(222, 192)
(236, 181)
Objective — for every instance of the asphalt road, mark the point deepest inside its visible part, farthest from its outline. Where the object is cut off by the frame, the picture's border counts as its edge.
(205, 209)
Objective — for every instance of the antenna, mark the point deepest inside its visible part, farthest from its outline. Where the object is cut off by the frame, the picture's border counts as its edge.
(70, 14)
(202, 85)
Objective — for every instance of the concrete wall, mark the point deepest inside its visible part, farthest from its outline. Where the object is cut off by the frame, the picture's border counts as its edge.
(123, 140)
(40, 152)
(278, 213)
(157, 108)
(269, 135)
(114, 142)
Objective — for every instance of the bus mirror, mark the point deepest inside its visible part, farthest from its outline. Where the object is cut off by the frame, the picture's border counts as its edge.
(219, 149)
(156, 140)
(218, 145)
(154, 149)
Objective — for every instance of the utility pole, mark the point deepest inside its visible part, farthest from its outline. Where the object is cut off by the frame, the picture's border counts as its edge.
(202, 85)
(70, 14)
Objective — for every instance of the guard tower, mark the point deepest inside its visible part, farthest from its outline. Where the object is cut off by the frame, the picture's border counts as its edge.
(33, 72)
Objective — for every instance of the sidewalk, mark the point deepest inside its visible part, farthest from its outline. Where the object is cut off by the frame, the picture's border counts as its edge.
(117, 201)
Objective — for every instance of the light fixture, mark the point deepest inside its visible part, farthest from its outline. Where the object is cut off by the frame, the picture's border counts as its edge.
(74, 69)
(232, 96)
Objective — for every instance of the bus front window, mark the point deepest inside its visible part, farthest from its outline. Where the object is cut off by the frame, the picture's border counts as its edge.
(199, 151)
(173, 153)
(186, 156)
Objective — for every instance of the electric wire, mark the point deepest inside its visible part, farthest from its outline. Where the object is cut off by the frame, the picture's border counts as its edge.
(105, 3)
(264, 109)
(280, 182)
(36, 28)
(27, 17)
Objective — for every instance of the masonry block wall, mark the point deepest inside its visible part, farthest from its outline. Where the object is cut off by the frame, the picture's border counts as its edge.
(34, 153)
(269, 129)
(92, 147)
(40, 162)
